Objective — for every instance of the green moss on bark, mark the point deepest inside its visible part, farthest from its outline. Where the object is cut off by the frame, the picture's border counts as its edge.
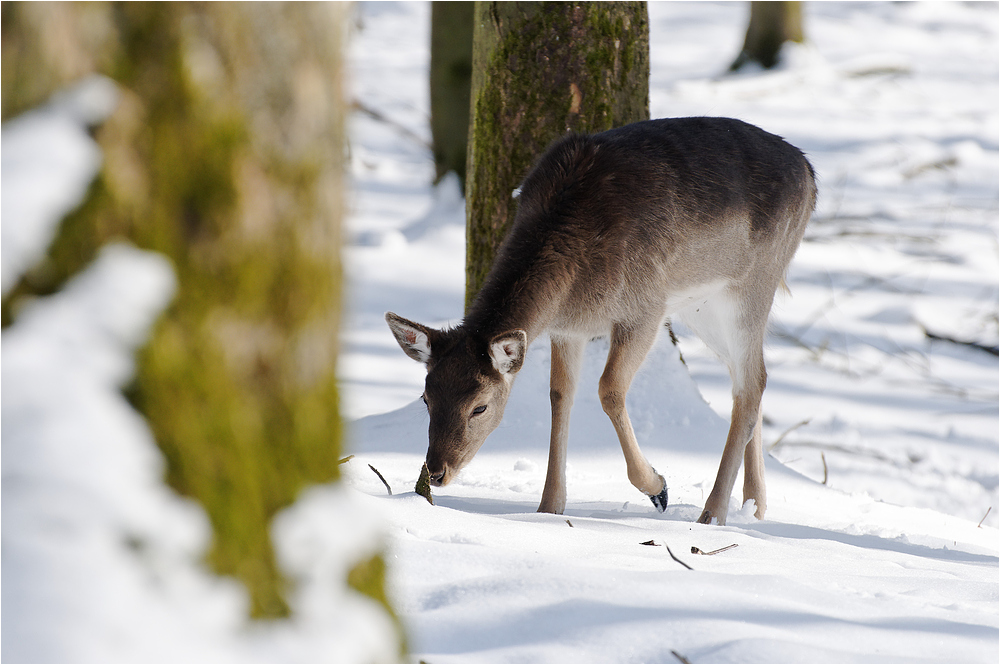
(541, 70)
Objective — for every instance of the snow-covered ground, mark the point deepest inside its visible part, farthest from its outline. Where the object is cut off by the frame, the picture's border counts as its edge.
(896, 105)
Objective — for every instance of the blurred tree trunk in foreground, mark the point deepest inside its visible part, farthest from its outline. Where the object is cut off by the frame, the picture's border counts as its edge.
(771, 25)
(540, 70)
(451, 79)
(225, 153)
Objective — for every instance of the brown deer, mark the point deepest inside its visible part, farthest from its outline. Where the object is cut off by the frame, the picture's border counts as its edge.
(615, 232)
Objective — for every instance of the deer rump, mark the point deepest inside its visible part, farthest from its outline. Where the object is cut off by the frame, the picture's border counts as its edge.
(615, 232)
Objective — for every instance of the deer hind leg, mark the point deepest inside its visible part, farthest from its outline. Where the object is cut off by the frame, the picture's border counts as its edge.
(736, 335)
(753, 470)
(629, 347)
(742, 442)
(567, 353)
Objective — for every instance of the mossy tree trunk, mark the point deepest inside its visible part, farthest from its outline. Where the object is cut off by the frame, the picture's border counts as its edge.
(771, 25)
(540, 70)
(451, 80)
(73, 44)
(225, 153)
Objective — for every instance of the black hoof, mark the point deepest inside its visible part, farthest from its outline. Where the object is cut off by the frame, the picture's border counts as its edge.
(660, 500)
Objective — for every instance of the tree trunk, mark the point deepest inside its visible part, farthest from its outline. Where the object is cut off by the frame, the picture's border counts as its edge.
(540, 70)
(226, 154)
(451, 80)
(771, 25)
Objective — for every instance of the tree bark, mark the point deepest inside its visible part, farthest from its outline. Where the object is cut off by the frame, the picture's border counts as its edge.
(771, 25)
(540, 70)
(226, 154)
(450, 84)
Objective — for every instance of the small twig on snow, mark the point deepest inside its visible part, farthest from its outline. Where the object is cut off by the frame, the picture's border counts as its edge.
(964, 342)
(980, 525)
(847, 450)
(680, 658)
(787, 432)
(822, 456)
(568, 522)
(656, 544)
(345, 459)
(388, 489)
(378, 116)
(695, 550)
(675, 558)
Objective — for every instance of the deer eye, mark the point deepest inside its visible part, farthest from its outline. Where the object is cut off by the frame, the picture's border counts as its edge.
(478, 410)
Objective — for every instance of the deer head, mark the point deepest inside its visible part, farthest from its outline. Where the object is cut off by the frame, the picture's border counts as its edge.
(466, 389)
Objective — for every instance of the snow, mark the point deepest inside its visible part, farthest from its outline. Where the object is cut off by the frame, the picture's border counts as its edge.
(49, 160)
(896, 106)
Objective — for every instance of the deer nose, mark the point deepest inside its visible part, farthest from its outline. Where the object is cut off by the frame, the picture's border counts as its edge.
(437, 479)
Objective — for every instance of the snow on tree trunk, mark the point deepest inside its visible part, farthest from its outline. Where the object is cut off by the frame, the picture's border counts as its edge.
(540, 70)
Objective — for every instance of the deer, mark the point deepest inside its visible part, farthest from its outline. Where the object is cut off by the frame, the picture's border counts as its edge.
(615, 233)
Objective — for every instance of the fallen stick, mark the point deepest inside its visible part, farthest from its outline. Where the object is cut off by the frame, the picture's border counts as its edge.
(675, 558)
(980, 525)
(378, 116)
(788, 431)
(388, 489)
(695, 550)
(652, 543)
(992, 349)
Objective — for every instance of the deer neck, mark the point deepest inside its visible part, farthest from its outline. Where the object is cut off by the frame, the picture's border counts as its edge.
(519, 295)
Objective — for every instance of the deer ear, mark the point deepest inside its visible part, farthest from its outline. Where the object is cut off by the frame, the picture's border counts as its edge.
(507, 351)
(413, 338)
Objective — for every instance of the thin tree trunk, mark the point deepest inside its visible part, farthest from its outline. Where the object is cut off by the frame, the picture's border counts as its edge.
(540, 70)
(771, 25)
(450, 84)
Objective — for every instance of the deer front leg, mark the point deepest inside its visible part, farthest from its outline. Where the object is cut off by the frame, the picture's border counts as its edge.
(567, 353)
(629, 347)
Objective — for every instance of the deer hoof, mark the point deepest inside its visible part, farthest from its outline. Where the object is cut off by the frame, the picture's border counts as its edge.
(660, 500)
(708, 518)
(552, 508)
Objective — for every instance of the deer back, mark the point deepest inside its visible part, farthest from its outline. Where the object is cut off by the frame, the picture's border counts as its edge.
(614, 225)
